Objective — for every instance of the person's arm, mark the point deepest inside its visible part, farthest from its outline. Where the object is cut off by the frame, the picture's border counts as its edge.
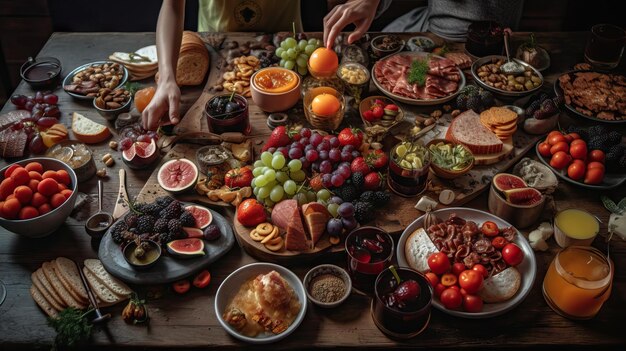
(169, 32)
(359, 12)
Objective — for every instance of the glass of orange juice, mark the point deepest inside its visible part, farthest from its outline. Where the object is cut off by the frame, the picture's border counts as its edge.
(578, 282)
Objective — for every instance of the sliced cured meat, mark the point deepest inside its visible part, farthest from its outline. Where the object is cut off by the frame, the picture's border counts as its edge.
(460, 59)
(12, 143)
(286, 216)
(443, 68)
(315, 216)
(283, 211)
(467, 130)
(11, 117)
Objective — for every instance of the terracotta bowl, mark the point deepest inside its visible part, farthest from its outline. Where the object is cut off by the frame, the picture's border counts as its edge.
(448, 173)
(367, 103)
(274, 102)
(519, 215)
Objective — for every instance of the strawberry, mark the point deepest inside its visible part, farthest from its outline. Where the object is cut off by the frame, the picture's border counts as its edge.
(373, 181)
(369, 116)
(359, 165)
(278, 138)
(378, 111)
(351, 136)
(377, 159)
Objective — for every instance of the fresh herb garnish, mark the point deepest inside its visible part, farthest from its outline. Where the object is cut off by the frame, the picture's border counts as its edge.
(417, 74)
(132, 87)
(71, 327)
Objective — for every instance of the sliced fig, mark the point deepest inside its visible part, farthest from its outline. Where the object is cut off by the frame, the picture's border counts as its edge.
(140, 154)
(523, 196)
(186, 248)
(201, 214)
(193, 232)
(177, 176)
(507, 181)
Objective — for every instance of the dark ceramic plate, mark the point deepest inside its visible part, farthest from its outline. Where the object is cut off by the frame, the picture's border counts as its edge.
(167, 269)
(559, 92)
(611, 180)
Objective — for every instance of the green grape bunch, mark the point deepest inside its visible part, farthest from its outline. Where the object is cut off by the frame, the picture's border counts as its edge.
(294, 54)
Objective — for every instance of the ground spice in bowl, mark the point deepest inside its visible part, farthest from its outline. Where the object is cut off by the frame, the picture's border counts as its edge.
(327, 288)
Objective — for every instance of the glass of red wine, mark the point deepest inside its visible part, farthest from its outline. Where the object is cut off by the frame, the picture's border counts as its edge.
(605, 46)
(228, 113)
(402, 309)
(370, 250)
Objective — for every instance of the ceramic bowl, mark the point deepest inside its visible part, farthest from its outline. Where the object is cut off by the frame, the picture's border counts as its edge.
(444, 172)
(130, 247)
(111, 114)
(48, 223)
(380, 52)
(70, 76)
(274, 102)
(518, 215)
(53, 69)
(230, 286)
(420, 43)
(327, 269)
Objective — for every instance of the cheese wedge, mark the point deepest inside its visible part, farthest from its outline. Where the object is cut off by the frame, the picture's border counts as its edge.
(88, 131)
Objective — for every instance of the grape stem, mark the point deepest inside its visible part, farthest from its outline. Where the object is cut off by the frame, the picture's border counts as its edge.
(392, 268)
(231, 96)
(293, 27)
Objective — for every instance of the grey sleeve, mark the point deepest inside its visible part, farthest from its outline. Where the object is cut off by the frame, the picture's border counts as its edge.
(382, 7)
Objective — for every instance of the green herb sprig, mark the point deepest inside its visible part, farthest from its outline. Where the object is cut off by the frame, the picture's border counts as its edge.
(71, 327)
(418, 72)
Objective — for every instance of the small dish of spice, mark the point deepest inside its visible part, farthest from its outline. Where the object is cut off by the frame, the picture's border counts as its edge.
(327, 285)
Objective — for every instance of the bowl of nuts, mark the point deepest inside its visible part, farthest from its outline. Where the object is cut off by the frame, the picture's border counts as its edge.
(111, 102)
(487, 74)
(85, 81)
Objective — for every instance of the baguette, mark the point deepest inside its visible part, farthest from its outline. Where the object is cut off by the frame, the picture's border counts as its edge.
(44, 293)
(115, 285)
(49, 290)
(70, 278)
(42, 302)
(55, 281)
(104, 294)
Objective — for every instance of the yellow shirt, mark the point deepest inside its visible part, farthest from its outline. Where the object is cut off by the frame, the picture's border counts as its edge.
(248, 15)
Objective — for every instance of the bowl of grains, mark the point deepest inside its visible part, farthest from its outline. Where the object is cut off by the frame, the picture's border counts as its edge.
(327, 285)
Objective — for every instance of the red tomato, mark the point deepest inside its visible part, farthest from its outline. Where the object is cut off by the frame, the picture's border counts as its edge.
(202, 280)
(576, 170)
(472, 303)
(439, 289)
(439, 263)
(573, 136)
(249, 213)
(552, 133)
(181, 286)
(594, 165)
(560, 146)
(499, 242)
(577, 142)
(451, 298)
(578, 151)
(596, 156)
(544, 149)
(512, 254)
(489, 228)
(481, 269)
(594, 176)
(471, 281)
(560, 160)
(457, 268)
(238, 177)
(555, 138)
(433, 279)
(448, 279)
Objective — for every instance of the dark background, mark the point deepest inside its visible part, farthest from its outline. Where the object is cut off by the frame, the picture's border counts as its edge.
(25, 25)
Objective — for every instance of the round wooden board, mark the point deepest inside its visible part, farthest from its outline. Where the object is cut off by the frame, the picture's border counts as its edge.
(258, 250)
(507, 149)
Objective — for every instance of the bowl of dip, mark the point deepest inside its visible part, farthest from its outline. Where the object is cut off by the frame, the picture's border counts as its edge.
(575, 227)
(142, 256)
(275, 89)
(42, 72)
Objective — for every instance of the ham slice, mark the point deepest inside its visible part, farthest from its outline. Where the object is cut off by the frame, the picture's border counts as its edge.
(286, 216)
(315, 216)
(467, 130)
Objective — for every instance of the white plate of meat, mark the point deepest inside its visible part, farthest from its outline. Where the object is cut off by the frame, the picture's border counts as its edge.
(439, 80)
(506, 286)
(597, 96)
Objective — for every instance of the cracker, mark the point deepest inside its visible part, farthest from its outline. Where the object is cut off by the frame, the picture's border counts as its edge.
(498, 116)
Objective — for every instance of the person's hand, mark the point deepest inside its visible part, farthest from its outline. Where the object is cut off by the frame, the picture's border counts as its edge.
(358, 12)
(163, 108)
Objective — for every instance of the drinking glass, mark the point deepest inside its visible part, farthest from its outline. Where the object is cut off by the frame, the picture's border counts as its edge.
(3, 292)
(605, 46)
(364, 263)
(407, 182)
(578, 282)
(229, 122)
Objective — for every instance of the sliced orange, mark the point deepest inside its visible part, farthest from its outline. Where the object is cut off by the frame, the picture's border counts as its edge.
(275, 80)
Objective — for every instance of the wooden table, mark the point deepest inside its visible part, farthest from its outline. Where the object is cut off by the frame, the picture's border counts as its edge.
(189, 320)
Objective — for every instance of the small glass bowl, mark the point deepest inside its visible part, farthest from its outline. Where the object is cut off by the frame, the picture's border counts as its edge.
(323, 122)
(352, 87)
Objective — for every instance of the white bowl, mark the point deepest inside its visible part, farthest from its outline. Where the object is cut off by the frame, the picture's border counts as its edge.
(328, 269)
(230, 286)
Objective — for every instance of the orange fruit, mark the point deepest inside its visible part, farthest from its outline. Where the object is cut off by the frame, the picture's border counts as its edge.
(276, 80)
(63, 177)
(10, 170)
(323, 60)
(34, 175)
(49, 174)
(11, 208)
(67, 193)
(6, 188)
(28, 212)
(143, 98)
(325, 105)
(33, 184)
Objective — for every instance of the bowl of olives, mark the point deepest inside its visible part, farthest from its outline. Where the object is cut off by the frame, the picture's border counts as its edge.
(227, 113)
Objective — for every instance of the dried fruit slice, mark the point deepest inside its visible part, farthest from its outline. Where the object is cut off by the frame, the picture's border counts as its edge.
(506, 181)
(177, 176)
(523, 196)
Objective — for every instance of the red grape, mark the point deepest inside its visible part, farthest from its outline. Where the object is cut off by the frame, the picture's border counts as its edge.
(51, 99)
(337, 180)
(311, 155)
(334, 155)
(29, 105)
(323, 154)
(19, 100)
(315, 139)
(344, 171)
(39, 97)
(295, 153)
(327, 167)
(305, 132)
(36, 145)
(327, 180)
(52, 111)
(334, 142)
(126, 143)
(46, 121)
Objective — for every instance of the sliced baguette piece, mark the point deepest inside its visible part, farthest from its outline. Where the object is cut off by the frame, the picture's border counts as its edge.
(70, 278)
(104, 294)
(42, 302)
(501, 286)
(88, 131)
(49, 290)
(44, 292)
(418, 248)
(117, 286)
(55, 281)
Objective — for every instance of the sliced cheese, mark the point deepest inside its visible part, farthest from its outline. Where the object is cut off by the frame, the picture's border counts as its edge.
(88, 131)
(417, 249)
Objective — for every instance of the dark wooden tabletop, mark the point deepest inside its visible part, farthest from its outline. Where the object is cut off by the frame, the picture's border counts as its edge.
(189, 321)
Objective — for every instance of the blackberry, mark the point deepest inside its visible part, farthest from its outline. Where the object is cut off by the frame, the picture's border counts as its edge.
(622, 162)
(357, 180)
(173, 210)
(348, 193)
(597, 129)
(470, 90)
(546, 109)
(152, 209)
(362, 211)
(381, 197)
(598, 141)
(615, 137)
(163, 201)
(617, 150)
(579, 130)
(131, 220)
(145, 224)
(166, 237)
(187, 219)
(461, 102)
(174, 227)
(534, 106)
(543, 97)
(117, 232)
(486, 97)
(473, 103)
(160, 226)
(367, 196)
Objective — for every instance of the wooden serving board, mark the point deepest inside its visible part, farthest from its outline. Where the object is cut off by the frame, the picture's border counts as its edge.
(484, 160)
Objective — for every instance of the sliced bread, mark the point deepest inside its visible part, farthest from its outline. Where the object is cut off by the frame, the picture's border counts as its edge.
(417, 249)
(45, 293)
(117, 286)
(42, 302)
(55, 281)
(49, 290)
(88, 131)
(501, 286)
(70, 278)
(104, 294)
